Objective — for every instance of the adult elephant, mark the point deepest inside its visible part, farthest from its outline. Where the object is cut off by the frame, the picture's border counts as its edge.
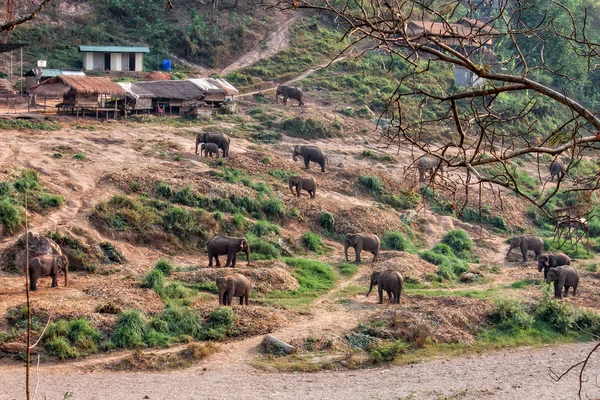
(563, 276)
(47, 265)
(360, 242)
(233, 285)
(226, 245)
(552, 260)
(527, 243)
(289, 91)
(428, 165)
(556, 169)
(390, 281)
(220, 139)
(310, 153)
(309, 184)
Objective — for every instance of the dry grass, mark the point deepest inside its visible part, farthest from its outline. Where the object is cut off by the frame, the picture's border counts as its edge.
(142, 361)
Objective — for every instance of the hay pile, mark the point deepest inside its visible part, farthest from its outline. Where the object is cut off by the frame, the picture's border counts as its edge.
(265, 276)
(130, 298)
(253, 320)
(365, 219)
(409, 265)
(443, 319)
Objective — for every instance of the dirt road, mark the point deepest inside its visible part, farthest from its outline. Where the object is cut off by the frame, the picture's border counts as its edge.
(514, 374)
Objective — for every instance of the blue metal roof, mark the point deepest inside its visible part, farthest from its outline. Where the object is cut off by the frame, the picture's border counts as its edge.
(115, 49)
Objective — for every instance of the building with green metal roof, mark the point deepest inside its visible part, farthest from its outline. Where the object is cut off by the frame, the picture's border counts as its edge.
(113, 58)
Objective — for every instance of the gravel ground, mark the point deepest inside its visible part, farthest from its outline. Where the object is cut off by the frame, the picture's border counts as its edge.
(514, 374)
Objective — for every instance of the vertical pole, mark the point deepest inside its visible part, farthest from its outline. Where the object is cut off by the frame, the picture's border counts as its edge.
(21, 69)
(28, 357)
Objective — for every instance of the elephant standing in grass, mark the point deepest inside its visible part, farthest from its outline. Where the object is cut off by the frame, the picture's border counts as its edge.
(225, 245)
(390, 281)
(525, 243)
(289, 91)
(233, 285)
(428, 165)
(360, 242)
(309, 184)
(220, 139)
(563, 276)
(556, 169)
(310, 153)
(552, 260)
(47, 265)
(209, 148)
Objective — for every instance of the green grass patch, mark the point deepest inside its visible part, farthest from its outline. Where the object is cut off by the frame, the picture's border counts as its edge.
(313, 242)
(71, 339)
(470, 293)
(522, 284)
(394, 240)
(347, 269)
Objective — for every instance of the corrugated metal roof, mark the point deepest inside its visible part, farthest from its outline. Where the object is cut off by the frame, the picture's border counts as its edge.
(115, 49)
(213, 85)
(183, 90)
(135, 91)
(50, 72)
(62, 84)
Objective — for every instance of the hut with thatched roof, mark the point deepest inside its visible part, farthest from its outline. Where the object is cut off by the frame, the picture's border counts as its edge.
(174, 97)
(81, 93)
(138, 99)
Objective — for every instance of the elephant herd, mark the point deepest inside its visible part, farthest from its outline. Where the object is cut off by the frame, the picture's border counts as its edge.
(556, 266)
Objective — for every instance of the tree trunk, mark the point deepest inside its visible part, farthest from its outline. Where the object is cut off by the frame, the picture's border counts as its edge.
(288, 349)
(213, 18)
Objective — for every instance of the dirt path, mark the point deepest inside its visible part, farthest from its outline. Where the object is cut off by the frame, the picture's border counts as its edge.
(515, 374)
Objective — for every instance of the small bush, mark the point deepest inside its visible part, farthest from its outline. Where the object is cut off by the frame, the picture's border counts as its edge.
(112, 254)
(459, 241)
(260, 249)
(385, 351)
(312, 241)
(164, 266)
(273, 207)
(59, 346)
(182, 321)
(394, 240)
(130, 330)
(348, 269)
(154, 280)
(404, 200)
(49, 200)
(11, 216)
(510, 315)
(327, 222)
(239, 220)
(372, 183)
(262, 228)
(561, 316)
(164, 190)
(80, 156)
(28, 180)
(185, 197)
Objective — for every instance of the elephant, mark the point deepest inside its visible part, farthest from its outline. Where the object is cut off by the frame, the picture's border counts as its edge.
(310, 153)
(428, 165)
(220, 139)
(552, 260)
(289, 91)
(563, 276)
(390, 281)
(309, 184)
(47, 265)
(233, 285)
(556, 169)
(225, 245)
(360, 242)
(531, 243)
(209, 148)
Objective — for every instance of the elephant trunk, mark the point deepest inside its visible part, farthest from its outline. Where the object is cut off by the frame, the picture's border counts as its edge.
(197, 143)
(66, 275)
(295, 156)
(291, 186)
(373, 283)
(346, 251)
(248, 254)
(509, 250)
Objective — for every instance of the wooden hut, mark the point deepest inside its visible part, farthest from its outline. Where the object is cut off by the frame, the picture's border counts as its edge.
(138, 99)
(174, 97)
(82, 93)
(216, 91)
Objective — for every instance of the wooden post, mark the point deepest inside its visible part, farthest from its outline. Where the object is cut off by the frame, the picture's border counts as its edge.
(288, 349)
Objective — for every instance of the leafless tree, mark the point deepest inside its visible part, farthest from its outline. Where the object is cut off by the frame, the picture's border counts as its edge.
(523, 67)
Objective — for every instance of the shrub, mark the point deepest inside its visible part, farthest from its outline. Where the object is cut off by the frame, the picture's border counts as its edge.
(561, 316)
(510, 315)
(307, 128)
(71, 339)
(164, 266)
(11, 216)
(312, 276)
(393, 240)
(217, 324)
(273, 207)
(459, 241)
(80, 156)
(385, 351)
(5, 189)
(372, 183)
(327, 222)
(262, 228)
(185, 197)
(111, 253)
(164, 190)
(130, 330)
(404, 200)
(348, 269)
(49, 200)
(154, 280)
(312, 241)
(239, 220)
(28, 180)
(260, 249)
(181, 321)
(59, 346)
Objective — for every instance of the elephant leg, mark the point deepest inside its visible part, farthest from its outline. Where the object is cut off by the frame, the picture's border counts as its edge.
(247, 294)
(233, 260)
(210, 258)
(575, 289)
(221, 295)
(390, 297)
(358, 250)
(558, 288)
(566, 291)
(241, 300)
(230, 295)
(375, 255)
(32, 280)
(298, 189)
(229, 258)
(306, 161)
(312, 193)
(54, 275)
(322, 163)
(524, 253)
(217, 262)
(380, 290)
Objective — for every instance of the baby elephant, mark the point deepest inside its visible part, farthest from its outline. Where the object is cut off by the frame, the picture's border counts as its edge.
(563, 276)
(390, 281)
(552, 260)
(47, 265)
(209, 148)
(233, 285)
(309, 184)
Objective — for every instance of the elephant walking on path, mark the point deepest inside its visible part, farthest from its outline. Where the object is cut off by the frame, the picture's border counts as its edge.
(527, 243)
(220, 139)
(563, 276)
(360, 242)
(309, 184)
(291, 92)
(390, 281)
(47, 265)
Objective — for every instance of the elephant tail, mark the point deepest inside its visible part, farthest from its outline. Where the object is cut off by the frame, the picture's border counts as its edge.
(206, 244)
